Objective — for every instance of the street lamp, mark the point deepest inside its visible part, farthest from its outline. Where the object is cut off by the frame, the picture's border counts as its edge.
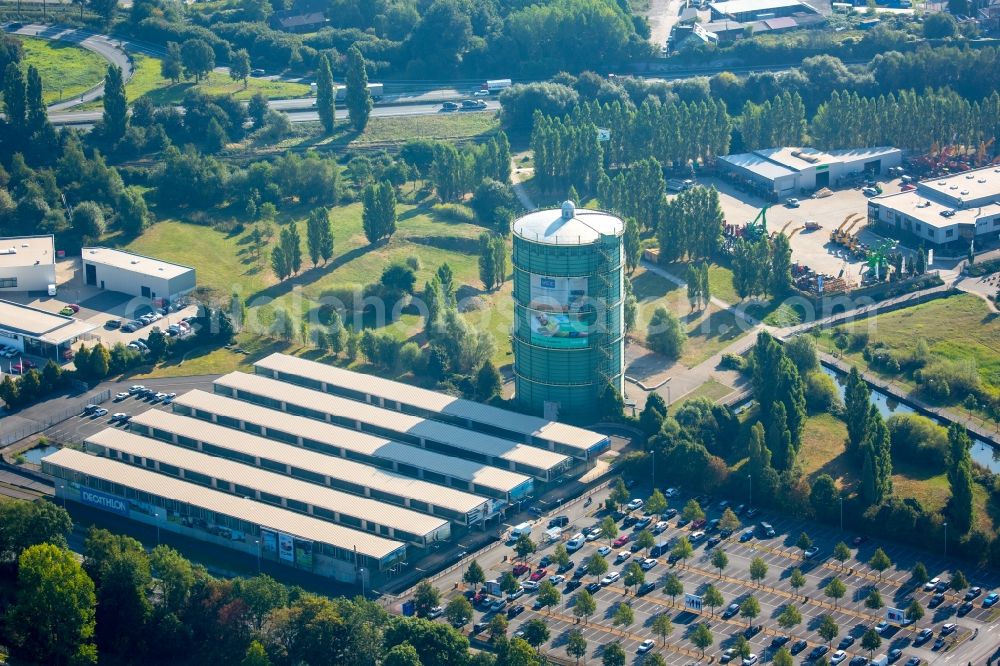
(946, 539)
(257, 543)
(362, 572)
(156, 516)
(841, 513)
(62, 486)
(750, 481)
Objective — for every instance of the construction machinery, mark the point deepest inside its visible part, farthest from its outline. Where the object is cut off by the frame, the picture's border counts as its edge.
(794, 231)
(757, 228)
(878, 262)
(838, 236)
(783, 229)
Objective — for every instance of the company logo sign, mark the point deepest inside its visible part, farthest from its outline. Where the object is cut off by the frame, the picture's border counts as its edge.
(111, 503)
(895, 615)
(692, 602)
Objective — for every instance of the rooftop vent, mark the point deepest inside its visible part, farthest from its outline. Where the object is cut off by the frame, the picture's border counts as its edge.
(981, 181)
(953, 187)
(965, 192)
(134, 261)
(970, 176)
(568, 210)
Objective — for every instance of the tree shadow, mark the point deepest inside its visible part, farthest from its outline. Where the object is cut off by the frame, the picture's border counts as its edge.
(309, 275)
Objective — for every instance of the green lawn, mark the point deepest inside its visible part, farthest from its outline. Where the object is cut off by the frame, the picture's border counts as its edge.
(66, 69)
(711, 389)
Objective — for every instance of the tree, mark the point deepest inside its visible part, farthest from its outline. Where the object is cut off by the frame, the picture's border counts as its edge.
(880, 562)
(548, 595)
(317, 233)
(673, 587)
(115, 118)
(804, 542)
(712, 598)
(239, 66)
(920, 575)
(614, 655)
(379, 214)
(874, 600)
(758, 570)
(498, 626)
(720, 560)
(609, 529)
(536, 632)
(257, 656)
(662, 627)
(619, 494)
(645, 540)
(524, 546)
(174, 575)
(796, 579)
(157, 343)
(682, 550)
(961, 505)
(279, 263)
(488, 382)
(403, 654)
(701, 637)
(198, 58)
(26, 524)
(857, 399)
(623, 615)
(750, 608)
(657, 503)
(692, 511)
(958, 581)
(576, 644)
(841, 552)
(781, 265)
(172, 65)
(53, 618)
(458, 611)
(492, 260)
(634, 575)
(836, 590)
(729, 522)
(742, 647)
(326, 104)
(665, 335)
(790, 617)
(914, 612)
(474, 575)
(425, 597)
(631, 242)
(508, 583)
(871, 641)
(828, 629)
(357, 98)
(584, 605)
(940, 25)
(783, 657)
(597, 566)
(88, 221)
(15, 98)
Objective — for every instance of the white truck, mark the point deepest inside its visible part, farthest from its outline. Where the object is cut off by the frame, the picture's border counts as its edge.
(518, 530)
(494, 86)
(374, 89)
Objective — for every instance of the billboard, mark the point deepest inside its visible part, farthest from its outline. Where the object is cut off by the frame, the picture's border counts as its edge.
(269, 542)
(560, 316)
(104, 501)
(286, 547)
(895, 615)
(692, 602)
(304, 554)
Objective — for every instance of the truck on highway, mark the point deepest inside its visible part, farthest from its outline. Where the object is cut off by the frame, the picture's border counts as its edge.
(374, 89)
(494, 86)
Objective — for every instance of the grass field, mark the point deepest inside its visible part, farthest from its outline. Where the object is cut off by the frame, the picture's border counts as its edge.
(709, 330)
(711, 389)
(66, 69)
(959, 328)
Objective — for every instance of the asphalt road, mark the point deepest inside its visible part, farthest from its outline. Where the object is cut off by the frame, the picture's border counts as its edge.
(773, 593)
(299, 111)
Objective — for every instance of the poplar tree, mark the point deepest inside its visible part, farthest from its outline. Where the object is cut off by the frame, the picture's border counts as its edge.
(357, 97)
(115, 105)
(961, 505)
(325, 95)
(857, 399)
(379, 214)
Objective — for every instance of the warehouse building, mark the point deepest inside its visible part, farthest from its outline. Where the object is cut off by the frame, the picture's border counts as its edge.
(431, 435)
(136, 275)
(757, 10)
(783, 172)
(354, 445)
(951, 212)
(27, 263)
(246, 481)
(40, 333)
(568, 440)
(252, 527)
(461, 508)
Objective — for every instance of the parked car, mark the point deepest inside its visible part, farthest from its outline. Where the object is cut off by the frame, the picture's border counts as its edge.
(846, 642)
(498, 605)
(746, 536)
(973, 593)
(936, 600)
(521, 569)
(610, 578)
(990, 600)
(538, 574)
(731, 610)
(120, 416)
(645, 588)
(882, 627)
(100, 411)
(593, 587)
(810, 553)
(622, 556)
(659, 527)
(798, 646)
(818, 652)
(571, 585)
(557, 579)
(635, 504)
(530, 585)
(727, 656)
(514, 611)
(646, 646)
(621, 541)
(779, 641)
(750, 660)
(604, 550)
(792, 203)
(948, 628)
(965, 608)
(121, 396)
(112, 324)
(648, 564)
(751, 513)
(922, 637)
(931, 584)
(642, 524)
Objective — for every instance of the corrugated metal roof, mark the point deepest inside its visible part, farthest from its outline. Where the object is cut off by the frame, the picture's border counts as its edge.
(251, 511)
(340, 468)
(561, 433)
(377, 447)
(459, 438)
(381, 513)
(757, 164)
(137, 263)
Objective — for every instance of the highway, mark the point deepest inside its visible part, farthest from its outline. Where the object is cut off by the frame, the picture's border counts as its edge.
(298, 110)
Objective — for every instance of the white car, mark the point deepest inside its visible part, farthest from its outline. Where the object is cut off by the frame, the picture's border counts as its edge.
(610, 578)
(604, 550)
(120, 396)
(169, 398)
(645, 646)
(750, 660)
(593, 535)
(435, 612)
(648, 564)
(530, 585)
(622, 556)
(100, 411)
(931, 584)
(634, 504)
(697, 536)
(119, 416)
(557, 579)
(481, 93)
(659, 527)
(838, 657)
(671, 492)
(135, 388)
(881, 627)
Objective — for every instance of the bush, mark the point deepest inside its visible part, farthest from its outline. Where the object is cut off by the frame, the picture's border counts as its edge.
(821, 393)
(918, 438)
(943, 379)
(732, 361)
(450, 212)
(802, 350)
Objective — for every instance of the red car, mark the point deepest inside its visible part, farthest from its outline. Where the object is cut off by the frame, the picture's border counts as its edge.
(539, 574)
(521, 569)
(621, 541)
(23, 365)
(698, 524)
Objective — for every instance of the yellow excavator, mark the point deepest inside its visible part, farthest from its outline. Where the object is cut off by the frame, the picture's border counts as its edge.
(839, 235)
(795, 231)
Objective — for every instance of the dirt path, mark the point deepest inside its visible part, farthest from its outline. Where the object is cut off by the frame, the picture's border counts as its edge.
(662, 16)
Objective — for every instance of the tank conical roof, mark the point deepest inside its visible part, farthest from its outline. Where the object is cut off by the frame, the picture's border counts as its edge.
(567, 225)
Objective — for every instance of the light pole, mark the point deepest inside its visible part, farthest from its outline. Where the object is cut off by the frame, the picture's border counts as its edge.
(62, 486)
(946, 539)
(362, 572)
(750, 481)
(257, 543)
(841, 513)
(156, 516)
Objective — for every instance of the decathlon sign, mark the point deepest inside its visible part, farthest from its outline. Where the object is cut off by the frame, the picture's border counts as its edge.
(692, 602)
(111, 503)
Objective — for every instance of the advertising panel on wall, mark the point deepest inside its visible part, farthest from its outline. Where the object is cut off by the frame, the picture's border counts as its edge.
(560, 316)
(286, 547)
(304, 554)
(269, 542)
(104, 501)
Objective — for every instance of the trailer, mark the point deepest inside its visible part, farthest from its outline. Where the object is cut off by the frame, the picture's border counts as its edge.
(494, 86)
(374, 89)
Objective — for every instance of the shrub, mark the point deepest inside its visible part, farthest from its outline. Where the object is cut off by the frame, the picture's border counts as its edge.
(821, 393)
(918, 438)
(944, 378)
(733, 362)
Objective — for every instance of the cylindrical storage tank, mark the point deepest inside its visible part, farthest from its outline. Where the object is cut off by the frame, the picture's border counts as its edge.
(569, 329)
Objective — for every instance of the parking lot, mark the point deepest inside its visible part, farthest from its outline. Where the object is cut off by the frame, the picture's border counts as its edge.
(809, 247)
(773, 593)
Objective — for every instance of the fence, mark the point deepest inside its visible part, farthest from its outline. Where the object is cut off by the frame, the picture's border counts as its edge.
(38, 426)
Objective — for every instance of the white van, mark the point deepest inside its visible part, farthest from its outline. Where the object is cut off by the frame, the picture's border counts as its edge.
(881, 660)
(518, 530)
(576, 543)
